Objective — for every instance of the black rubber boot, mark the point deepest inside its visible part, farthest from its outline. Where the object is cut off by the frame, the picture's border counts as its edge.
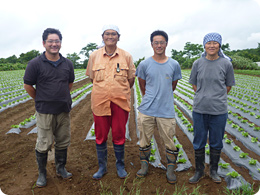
(120, 163)
(102, 161)
(60, 162)
(171, 165)
(42, 162)
(144, 157)
(214, 159)
(199, 162)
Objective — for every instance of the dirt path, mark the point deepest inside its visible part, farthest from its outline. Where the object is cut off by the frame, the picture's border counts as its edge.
(18, 168)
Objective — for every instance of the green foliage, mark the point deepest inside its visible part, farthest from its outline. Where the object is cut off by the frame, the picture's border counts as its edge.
(233, 174)
(224, 165)
(14, 63)
(254, 139)
(74, 58)
(181, 160)
(188, 62)
(26, 57)
(186, 57)
(228, 141)
(252, 161)
(253, 54)
(152, 158)
(178, 146)
(86, 51)
(225, 47)
(248, 72)
(193, 50)
(240, 62)
(245, 189)
(243, 155)
(10, 66)
(12, 59)
(92, 131)
(236, 148)
(242, 59)
(138, 61)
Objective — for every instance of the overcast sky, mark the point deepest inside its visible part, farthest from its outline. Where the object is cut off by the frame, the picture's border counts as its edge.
(22, 23)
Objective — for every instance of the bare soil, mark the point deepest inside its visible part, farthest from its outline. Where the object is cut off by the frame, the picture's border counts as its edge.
(18, 168)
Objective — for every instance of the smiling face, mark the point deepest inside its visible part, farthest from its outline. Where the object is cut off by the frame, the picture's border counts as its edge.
(212, 48)
(52, 44)
(159, 44)
(110, 37)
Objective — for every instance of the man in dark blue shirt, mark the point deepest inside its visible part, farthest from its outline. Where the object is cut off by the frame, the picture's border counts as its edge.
(53, 76)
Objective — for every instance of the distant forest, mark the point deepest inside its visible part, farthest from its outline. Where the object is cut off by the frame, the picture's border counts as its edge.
(241, 59)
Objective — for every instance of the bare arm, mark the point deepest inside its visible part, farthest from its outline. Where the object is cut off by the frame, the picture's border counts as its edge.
(174, 84)
(131, 82)
(228, 89)
(30, 90)
(194, 87)
(70, 86)
(142, 84)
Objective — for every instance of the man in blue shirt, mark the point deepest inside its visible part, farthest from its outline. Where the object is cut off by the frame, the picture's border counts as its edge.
(158, 77)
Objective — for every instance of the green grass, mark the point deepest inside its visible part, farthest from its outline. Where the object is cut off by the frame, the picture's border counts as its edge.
(245, 189)
(248, 72)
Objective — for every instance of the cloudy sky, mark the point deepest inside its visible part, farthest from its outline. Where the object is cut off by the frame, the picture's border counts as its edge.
(81, 21)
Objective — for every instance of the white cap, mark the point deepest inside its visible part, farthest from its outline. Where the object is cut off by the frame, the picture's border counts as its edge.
(108, 27)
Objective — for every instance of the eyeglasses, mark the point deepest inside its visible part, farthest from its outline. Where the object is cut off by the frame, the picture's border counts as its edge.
(53, 41)
(161, 43)
(112, 34)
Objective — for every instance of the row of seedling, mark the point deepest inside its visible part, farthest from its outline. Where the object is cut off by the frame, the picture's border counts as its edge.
(230, 173)
(27, 120)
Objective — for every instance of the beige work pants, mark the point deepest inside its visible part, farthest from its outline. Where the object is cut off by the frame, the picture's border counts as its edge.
(166, 127)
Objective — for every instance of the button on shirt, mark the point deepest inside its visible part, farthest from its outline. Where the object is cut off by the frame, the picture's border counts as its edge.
(110, 76)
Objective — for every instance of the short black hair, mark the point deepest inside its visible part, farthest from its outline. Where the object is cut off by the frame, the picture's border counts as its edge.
(48, 31)
(159, 32)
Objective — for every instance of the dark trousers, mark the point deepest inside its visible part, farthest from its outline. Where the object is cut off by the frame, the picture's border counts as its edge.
(204, 124)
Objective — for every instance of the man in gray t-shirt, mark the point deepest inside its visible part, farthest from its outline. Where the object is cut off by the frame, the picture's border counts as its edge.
(212, 77)
(158, 99)
(158, 77)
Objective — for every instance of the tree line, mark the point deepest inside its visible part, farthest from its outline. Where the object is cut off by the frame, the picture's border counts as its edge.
(241, 59)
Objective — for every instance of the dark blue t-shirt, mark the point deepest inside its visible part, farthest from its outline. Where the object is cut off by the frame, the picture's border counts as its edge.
(55, 63)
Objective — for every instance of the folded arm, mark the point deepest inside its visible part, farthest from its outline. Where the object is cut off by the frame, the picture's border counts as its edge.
(30, 90)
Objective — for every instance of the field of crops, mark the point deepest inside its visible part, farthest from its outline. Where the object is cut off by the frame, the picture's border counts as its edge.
(239, 165)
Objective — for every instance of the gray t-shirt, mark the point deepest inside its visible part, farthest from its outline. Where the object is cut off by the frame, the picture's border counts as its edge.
(158, 99)
(211, 78)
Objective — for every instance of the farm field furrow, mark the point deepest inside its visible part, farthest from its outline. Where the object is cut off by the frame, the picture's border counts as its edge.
(18, 166)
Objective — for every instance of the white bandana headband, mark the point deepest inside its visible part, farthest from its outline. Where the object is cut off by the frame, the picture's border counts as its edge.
(108, 27)
(214, 37)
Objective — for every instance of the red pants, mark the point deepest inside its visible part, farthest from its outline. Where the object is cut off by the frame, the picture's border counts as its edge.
(117, 121)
